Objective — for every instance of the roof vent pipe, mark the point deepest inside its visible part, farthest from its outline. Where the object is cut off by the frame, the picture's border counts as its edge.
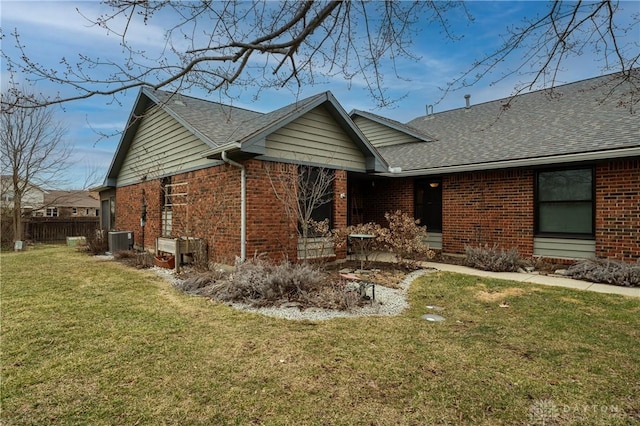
(467, 99)
(429, 110)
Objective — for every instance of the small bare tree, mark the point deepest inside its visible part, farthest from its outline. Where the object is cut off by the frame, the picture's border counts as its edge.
(33, 148)
(302, 190)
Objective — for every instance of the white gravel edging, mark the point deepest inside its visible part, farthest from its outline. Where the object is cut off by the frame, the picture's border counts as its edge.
(389, 302)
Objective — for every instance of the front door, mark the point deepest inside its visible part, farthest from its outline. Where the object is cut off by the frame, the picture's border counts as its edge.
(428, 204)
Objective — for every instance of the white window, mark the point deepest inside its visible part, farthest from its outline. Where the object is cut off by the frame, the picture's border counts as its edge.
(52, 212)
(74, 211)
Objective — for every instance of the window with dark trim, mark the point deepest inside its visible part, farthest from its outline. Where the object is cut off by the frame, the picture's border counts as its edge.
(564, 203)
(315, 192)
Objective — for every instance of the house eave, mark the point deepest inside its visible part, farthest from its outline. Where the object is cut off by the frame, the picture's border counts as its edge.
(518, 163)
(216, 153)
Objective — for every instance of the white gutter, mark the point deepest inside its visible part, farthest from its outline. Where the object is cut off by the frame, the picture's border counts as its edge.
(243, 205)
(215, 151)
(525, 162)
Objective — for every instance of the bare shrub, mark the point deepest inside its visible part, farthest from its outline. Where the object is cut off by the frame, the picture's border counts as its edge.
(406, 238)
(201, 257)
(607, 272)
(137, 259)
(493, 258)
(97, 242)
(144, 260)
(202, 284)
(259, 283)
(6, 231)
(124, 254)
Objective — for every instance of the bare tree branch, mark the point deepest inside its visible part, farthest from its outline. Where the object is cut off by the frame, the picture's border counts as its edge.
(568, 29)
(225, 44)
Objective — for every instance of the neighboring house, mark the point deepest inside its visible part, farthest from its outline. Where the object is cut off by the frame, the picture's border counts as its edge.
(72, 203)
(32, 198)
(552, 173)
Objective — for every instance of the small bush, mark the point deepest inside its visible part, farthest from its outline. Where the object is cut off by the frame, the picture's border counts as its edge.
(607, 272)
(200, 283)
(137, 259)
(97, 243)
(492, 258)
(6, 231)
(406, 238)
(259, 283)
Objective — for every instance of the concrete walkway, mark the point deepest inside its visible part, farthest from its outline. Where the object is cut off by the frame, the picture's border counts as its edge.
(524, 277)
(537, 279)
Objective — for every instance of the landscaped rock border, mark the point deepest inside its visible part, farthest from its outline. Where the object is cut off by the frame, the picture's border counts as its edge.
(389, 302)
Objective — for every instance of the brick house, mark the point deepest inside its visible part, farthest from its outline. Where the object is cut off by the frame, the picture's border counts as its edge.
(552, 173)
(200, 169)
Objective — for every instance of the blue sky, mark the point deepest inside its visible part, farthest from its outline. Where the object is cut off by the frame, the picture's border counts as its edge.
(54, 29)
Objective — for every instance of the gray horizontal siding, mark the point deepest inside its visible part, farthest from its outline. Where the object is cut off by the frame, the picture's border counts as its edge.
(434, 239)
(380, 135)
(316, 248)
(561, 248)
(162, 146)
(315, 138)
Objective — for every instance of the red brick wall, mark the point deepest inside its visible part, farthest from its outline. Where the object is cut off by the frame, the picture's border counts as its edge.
(340, 207)
(490, 207)
(385, 196)
(618, 210)
(213, 211)
(269, 229)
(129, 201)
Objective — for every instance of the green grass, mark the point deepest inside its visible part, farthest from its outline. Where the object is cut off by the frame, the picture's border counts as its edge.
(91, 342)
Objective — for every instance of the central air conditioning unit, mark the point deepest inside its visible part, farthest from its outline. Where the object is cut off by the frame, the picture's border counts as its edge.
(120, 241)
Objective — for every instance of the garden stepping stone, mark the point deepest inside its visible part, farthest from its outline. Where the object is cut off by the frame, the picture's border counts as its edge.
(433, 317)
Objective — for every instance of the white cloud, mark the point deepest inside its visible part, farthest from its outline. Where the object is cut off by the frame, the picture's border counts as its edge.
(71, 21)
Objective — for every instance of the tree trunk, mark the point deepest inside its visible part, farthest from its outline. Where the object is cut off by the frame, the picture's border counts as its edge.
(17, 218)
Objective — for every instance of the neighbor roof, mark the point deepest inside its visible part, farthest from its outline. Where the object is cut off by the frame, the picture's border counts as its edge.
(72, 198)
(580, 121)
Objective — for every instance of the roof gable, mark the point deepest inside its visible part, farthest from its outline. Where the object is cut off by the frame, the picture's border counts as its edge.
(230, 129)
(252, 139)
(382, 131)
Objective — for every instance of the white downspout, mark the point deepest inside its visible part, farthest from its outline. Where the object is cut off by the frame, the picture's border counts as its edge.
(243, 205)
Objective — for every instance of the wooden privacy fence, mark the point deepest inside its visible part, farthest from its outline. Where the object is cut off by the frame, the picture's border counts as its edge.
(47, 229)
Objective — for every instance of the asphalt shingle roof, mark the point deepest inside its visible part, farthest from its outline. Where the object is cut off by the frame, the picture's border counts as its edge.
(574, 118)
(219, 123)
(222, 124)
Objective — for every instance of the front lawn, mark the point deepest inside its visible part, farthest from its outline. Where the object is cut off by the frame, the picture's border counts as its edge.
(95, 342)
